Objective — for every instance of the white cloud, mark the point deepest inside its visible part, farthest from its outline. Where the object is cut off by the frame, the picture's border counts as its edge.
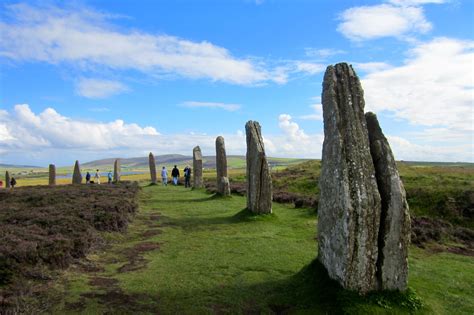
(224, 106)
(309, 67)
(405, 150)
(433, 88)
(415, 2)
(317, 115)
(323, 53)
(384, 20)
(85, 38)
(49, 129)
(97, 88)
(371, 66)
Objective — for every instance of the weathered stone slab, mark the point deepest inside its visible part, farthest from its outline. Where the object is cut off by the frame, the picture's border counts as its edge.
(7, 180)
(117, 171)
(223, 186)
(349, 205)
(394, 231)
(77, 176)
(259, 181)
(52, 175)
(197, 165)
(152, 164)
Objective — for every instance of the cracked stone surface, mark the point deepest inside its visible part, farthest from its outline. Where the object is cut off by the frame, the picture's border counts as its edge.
(117, 171)
(77, 176)
(349, 205)
(52, 175)
(223, 186)
(259, 181)
(197, 166)
(152, 164)
(394, 232)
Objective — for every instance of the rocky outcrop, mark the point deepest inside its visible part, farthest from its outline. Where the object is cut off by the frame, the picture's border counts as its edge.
(7, 180)
(117, 171)
(223, 186)
(152, 164)
(394, 231)
(52, 175)
(259, 181)
(197, 165)
(363, 222)
(77, 176)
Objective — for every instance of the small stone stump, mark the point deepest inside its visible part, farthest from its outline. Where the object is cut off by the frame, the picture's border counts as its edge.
(197, 165)
(223, 186)
(117, 171)
(151, 162)
(77, 176)
(259, 181)
(52, 175)
(7, 180)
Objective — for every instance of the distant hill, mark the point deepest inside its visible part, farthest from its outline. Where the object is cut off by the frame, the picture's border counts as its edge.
(17, 166)
(233, 161)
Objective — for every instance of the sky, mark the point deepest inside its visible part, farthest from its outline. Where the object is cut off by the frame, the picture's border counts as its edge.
(99, 79)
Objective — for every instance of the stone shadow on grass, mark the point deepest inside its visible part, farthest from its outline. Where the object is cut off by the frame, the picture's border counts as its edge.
(310, 290)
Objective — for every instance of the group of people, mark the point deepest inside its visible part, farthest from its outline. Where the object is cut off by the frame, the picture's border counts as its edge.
(97, 178)
(175, 175)
(12, 183)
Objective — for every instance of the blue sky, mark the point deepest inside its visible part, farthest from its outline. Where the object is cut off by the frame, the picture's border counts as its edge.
(97, 79)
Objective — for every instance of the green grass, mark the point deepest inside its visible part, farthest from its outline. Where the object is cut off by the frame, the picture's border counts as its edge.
(215, 257)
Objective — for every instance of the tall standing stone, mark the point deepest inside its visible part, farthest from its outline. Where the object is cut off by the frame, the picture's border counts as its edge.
(151, 162)
(349, 205)
(197, 165)
(259, 181)
(394, 231)
(117, 171)
(77, 176)
(52, 175)
(7, 180)
(223, 186)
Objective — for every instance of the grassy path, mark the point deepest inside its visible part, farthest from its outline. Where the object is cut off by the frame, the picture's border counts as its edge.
(187, 252)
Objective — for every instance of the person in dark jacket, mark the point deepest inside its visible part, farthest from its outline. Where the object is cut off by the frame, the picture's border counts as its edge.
(187, 176)
(175, 175)
(13, 182)
(88, 178)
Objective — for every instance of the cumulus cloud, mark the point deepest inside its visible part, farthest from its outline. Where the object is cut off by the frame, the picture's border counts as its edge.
(97, 88)
(371, 66)
(36, 138)
(432, 88)
(212, 105)
(395, 19)
(83, 37)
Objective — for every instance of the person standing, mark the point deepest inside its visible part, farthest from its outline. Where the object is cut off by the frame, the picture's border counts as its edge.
(175, 175)
(109, 177)
(13, 182)
(88, 178)
(187, 177)
(97, 177)
(164, 176)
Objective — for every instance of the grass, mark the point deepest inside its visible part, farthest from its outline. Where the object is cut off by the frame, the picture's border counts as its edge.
(189, 252)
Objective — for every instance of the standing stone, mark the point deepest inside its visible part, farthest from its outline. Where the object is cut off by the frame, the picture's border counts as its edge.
(52, 175)
(197, 165)
(7, 180)
(259, 181)
(394, 232)
(349, 205)
(223, 187)
(77, 176)
(117, 171)
(151, 162)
